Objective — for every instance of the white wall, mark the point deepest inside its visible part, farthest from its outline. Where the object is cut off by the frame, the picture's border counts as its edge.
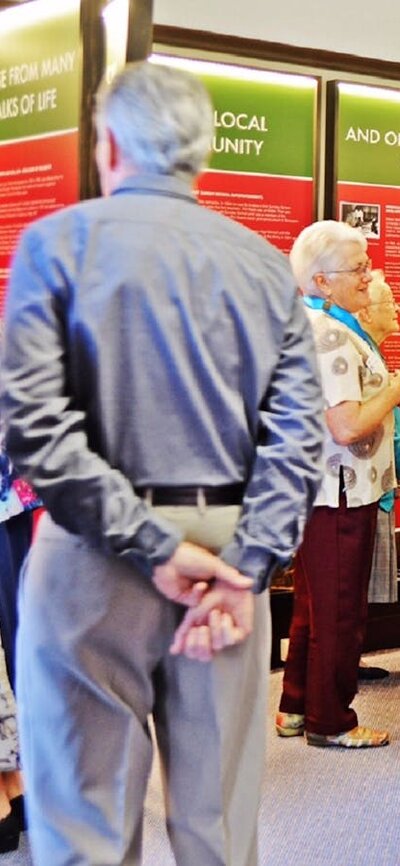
(368, 28)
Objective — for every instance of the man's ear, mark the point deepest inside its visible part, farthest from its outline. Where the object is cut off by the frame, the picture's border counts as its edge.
(114, 151)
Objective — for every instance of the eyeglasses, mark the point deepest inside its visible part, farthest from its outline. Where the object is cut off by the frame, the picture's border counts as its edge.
(360, 270)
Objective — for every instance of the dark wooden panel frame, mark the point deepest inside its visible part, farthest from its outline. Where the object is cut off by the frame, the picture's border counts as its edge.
(203, 40)
(139, 30)
(93, 48)
(93, 66)
(331, 149)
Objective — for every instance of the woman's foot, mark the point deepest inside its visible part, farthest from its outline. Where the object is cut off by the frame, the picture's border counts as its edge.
(289, 724)
(18, 810)
(9, 833)
(357, 738)
(12, 811)
(12, 785)
(371, 673)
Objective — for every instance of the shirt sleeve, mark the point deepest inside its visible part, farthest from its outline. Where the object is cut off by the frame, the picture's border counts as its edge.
(46, 432)
(286, 472)
(339, 362)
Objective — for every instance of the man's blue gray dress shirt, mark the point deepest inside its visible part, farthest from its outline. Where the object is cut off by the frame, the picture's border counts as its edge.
(150, 341)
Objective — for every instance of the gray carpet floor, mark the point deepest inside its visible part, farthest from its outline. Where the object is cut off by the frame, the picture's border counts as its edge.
(320, 807)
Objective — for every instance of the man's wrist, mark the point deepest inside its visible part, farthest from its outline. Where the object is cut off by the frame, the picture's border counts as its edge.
(256, 563)
(274, 566)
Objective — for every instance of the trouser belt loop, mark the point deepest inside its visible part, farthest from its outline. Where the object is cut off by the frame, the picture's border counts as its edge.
(201, 501)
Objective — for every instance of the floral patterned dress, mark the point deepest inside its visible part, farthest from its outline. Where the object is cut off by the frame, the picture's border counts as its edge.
(15, 495)
(9, 744)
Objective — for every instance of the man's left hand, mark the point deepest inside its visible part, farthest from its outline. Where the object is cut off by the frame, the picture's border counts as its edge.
(185, 576)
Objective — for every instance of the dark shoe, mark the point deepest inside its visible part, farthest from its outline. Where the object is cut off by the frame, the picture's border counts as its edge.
(9, 834)
(371, 673)
(357, 738)
(18, 810)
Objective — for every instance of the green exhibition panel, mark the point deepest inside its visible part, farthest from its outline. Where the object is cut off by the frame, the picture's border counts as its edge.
(263, 154)
(41, 97)
(366, 175)
(40, 86)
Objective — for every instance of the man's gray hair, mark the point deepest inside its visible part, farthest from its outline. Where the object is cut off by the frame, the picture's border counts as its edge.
(321, 248)
(161, 118)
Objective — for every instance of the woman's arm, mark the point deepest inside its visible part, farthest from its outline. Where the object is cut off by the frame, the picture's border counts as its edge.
(350, 421)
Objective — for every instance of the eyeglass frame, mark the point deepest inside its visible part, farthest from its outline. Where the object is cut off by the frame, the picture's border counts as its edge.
(360, 270)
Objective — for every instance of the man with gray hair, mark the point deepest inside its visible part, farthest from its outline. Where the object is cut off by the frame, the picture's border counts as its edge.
(161, 395)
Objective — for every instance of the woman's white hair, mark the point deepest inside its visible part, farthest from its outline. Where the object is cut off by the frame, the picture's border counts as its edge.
(378, 282)
(321, 248)
(161, 118)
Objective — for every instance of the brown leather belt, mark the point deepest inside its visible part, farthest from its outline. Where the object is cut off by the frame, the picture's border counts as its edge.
(225, 494)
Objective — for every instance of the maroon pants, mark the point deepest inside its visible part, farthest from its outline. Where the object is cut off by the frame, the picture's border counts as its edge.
(331, 577)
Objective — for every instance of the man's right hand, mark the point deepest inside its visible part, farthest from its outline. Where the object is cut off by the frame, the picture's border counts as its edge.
(223, 618)
(220, 599)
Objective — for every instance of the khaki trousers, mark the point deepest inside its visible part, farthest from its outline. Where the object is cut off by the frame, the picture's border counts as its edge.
(93, 666)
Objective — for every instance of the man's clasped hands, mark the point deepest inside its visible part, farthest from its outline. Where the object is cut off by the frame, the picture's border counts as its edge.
(219, 599)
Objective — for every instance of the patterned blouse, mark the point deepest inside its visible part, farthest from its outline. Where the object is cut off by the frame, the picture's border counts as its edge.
(15, 495)
(352, 370)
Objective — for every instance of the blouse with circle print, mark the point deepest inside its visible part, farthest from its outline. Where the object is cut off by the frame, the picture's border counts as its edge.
(16, 495)
(352, 371)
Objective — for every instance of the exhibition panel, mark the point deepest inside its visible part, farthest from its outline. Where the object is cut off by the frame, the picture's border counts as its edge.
(40, 82)
(363, 187)
(263, 154)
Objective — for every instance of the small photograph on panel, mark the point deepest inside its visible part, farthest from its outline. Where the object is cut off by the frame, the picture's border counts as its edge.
(365, 217)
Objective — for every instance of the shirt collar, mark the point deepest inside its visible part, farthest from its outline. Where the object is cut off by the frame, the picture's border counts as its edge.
(156, 184)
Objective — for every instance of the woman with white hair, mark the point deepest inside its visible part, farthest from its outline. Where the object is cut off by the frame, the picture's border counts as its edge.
(381, 319)
(333, 564)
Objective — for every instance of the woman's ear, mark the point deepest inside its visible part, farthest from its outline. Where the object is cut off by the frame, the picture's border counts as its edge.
(364, 315)
(322, 284)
